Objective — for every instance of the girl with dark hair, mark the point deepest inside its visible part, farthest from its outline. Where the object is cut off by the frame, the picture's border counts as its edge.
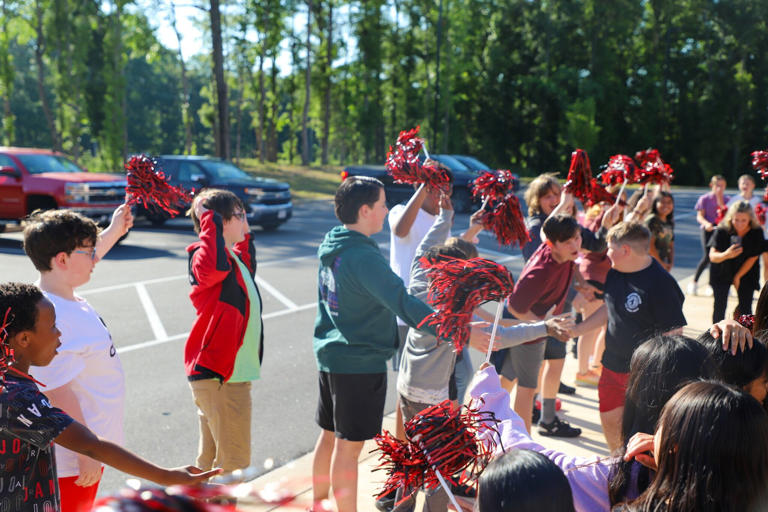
(659, 367)
(710, 453)
(747, 369)
(661, 224)
(523, 481)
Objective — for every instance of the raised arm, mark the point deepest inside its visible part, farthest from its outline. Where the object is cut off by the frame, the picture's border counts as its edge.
(402, 227)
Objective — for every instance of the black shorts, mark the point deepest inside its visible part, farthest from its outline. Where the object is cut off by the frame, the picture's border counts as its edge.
(351, 404)
(555, 349)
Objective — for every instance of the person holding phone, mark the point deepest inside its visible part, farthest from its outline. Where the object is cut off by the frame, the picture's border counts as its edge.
(736, 244)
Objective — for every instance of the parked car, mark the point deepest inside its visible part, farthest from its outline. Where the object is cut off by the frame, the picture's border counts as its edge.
(478, 166)
(267, 201)
(461, 197)
(32, 179)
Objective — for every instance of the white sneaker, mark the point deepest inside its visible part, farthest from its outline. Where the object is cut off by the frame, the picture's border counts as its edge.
(708, 292)
(693, 288)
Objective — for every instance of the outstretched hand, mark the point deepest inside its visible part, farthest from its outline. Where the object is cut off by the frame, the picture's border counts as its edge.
(122, 219)
(188, 475)
(560, 327)
(640, 448)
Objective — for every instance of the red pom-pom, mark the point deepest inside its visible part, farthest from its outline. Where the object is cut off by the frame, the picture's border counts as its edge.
(747, 321)
(505, 220)
(442, 438)
(651, 168)
(493, 186)
(598, 194)
(721, 211)
(149, 186)
(620, 169)
(760, 163)
(6, 352)
(760, 211)
(457, 287)
(579, 179)
(404, 166)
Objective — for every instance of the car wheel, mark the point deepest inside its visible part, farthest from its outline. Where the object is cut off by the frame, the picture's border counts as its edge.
(157, 219)
(461, 200)
(271, 227)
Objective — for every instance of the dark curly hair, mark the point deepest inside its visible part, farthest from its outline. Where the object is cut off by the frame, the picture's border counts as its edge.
(22, 300)
(50, 232)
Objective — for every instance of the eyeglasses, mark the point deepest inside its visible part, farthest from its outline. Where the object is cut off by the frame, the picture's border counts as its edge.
(240, 215)
(90, 252)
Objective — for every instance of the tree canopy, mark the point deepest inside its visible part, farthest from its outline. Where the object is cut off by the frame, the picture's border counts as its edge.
(518, 84)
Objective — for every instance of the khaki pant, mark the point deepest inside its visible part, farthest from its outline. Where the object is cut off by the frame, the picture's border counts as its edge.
(224, 411)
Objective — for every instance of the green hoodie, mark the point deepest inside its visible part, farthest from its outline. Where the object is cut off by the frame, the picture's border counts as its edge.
(358, 299)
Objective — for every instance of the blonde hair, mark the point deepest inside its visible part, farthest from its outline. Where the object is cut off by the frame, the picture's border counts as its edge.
(633, 234)
(739, 207)
(540, 187)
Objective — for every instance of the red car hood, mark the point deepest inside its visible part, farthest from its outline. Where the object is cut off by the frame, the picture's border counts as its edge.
(81, 177)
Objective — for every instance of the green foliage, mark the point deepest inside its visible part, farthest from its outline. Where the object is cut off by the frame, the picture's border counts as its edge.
(521, 83)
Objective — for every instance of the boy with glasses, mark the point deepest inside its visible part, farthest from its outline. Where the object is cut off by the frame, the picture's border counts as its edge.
(86, 378)
(223, 352)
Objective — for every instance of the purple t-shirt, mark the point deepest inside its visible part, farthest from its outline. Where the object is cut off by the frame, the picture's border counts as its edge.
(708, 203)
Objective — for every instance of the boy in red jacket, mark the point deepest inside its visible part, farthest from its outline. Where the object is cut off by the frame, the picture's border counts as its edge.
(225, 346)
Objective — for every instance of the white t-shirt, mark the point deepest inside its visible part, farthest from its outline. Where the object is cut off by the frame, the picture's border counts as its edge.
(756, 200)
(402, 250)
(87, 359)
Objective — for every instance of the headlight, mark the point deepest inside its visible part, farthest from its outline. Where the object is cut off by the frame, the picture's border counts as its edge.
(258, 192)
(76, 192)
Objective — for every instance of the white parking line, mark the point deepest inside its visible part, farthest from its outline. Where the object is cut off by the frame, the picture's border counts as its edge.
(159, 341)
(149, 308)
(276, 293)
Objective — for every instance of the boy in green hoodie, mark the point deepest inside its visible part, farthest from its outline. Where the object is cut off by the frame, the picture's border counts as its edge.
(355, 335)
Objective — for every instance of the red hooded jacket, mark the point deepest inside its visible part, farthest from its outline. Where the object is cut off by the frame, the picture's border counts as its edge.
(221, 301)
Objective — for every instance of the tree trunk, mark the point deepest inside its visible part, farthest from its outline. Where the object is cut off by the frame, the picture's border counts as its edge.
(39, 51)
(328, 63)
(437, 74)
(307, 83)
(221, 84)
(185, 116)
(272, 139)
(263, 93)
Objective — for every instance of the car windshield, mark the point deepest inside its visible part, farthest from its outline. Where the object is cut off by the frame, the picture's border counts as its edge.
(475, 163)
(453, 164)
(223, 170)
(38, 164)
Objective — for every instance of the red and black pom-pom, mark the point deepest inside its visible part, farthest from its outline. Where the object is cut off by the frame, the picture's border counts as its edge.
(651, 168)
(505, 220)
(760, 163)
(149, 187)
(493, 186)
(6, 352)
(442, 438)
(457, 287)
(404, 166)
(747, 321)
(620, 169)
(579, 181)
(598, 194)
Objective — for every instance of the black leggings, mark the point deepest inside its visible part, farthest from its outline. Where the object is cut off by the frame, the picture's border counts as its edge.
(720, 293)
(705, 236)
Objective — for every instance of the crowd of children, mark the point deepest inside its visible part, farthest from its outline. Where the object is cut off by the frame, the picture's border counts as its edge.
(657, 389)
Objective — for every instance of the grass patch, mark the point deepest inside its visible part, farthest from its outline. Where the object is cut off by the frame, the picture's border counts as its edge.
(307, 182)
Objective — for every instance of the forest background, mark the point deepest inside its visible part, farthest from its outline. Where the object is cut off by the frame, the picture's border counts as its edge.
(516, 83)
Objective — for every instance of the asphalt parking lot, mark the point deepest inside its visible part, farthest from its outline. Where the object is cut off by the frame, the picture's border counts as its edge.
(141, 291)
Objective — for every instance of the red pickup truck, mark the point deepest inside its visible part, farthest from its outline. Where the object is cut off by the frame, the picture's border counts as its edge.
(32, 179)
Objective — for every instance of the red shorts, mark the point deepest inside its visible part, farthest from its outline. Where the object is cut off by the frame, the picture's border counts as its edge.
(611, 389)
(75, 498)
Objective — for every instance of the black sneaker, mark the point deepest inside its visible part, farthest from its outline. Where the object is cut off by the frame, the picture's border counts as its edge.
(558, 428)
(387, 502)
(536, 416)
(566, 389)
